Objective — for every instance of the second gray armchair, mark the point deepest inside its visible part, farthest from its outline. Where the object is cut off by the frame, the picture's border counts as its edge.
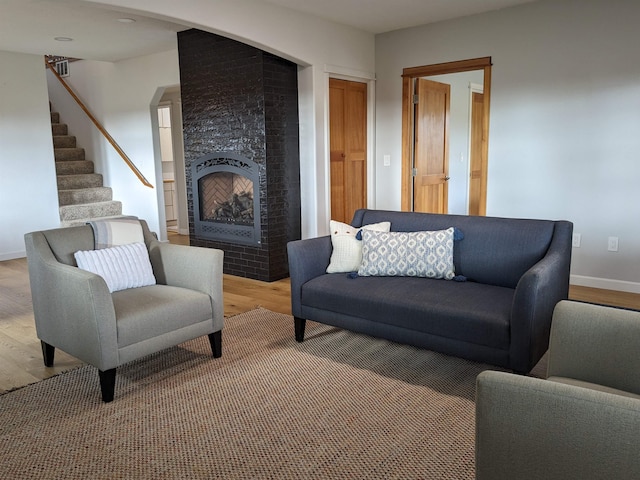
(583, 421)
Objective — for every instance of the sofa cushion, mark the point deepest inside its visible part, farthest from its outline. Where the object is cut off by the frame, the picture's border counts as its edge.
(495, 251)
(65, 242)
(347, 248)
(408, 254)
(465, 311)
(156, 310)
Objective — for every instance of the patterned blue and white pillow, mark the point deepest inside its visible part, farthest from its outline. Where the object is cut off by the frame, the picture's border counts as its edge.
(408, 254)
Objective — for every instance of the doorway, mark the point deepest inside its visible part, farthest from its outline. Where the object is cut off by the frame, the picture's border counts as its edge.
(166, 119)
(168, 167)
(348, 147)
(425, 139)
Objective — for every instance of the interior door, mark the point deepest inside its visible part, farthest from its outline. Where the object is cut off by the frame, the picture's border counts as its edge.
(348, 147)
(431, 146)
(475, 159)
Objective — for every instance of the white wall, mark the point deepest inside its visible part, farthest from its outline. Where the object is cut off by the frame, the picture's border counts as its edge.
(319, 47)
(28, 193)
(119, 95)
(565, 117)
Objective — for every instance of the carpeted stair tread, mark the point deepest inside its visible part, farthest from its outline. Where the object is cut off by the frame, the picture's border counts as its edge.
(55, 117)
(74, 167)
(59, 129)
(90, 210)
(84, 195)
(64, 141)
(84, 180)
(66, 154)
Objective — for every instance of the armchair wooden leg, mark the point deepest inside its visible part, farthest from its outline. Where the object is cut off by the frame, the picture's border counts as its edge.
(48, 352)
(215, 339)
(299, 324)
(107, 384)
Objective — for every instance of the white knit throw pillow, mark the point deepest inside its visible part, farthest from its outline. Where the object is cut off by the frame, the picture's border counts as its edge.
(122, 267)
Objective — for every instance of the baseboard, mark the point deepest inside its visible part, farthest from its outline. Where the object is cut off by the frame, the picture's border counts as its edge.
(605, 283)
(12, 255)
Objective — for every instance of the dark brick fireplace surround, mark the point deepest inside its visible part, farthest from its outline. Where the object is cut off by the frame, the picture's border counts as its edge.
(240, 106)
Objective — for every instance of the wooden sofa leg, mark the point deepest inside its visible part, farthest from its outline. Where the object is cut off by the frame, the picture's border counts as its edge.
(215, 339)
(48, 352)
(299, 324)
(107, 384)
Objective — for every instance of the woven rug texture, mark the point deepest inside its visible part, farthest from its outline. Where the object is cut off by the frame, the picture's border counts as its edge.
(338, 406)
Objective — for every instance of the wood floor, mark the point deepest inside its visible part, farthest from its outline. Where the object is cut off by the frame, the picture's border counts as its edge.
(21, 357)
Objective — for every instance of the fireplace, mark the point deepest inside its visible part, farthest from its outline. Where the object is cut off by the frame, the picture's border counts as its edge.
(240, 124)
(223, 202)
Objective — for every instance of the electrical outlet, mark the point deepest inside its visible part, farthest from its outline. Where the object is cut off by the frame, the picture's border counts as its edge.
(612, 244)
(577, 238)
(386, 160)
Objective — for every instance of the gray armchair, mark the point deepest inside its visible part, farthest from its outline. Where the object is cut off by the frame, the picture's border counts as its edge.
(75, 311)
(583, 421)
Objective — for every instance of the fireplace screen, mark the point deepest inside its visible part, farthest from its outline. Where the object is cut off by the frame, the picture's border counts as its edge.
(226, 197)
(224, 207)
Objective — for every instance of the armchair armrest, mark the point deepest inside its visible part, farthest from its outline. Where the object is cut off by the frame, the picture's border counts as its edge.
(528, 428)
(73, 308)
(308, 259)
(195, 268)
(596, 344)
(536, 295)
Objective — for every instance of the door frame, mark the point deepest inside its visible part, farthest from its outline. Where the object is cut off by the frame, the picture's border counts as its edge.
(408, 76)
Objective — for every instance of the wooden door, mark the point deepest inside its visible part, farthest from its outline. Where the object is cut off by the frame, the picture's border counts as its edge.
(348, 147)
(475, 159)
(431, 146)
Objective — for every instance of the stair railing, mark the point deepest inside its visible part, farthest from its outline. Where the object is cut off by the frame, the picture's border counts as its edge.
(100, 128)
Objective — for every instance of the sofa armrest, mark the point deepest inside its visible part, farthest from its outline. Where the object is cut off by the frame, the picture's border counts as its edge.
(195, 268)
(536, 295)
(73, 309)
(308, 259)
(528, 428)
(596, 344)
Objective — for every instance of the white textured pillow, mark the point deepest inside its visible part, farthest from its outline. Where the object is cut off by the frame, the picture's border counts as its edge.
(122, 267)
(347, 249)
(408, 254)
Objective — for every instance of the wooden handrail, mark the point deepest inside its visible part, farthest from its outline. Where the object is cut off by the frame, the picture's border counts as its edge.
(109, 138)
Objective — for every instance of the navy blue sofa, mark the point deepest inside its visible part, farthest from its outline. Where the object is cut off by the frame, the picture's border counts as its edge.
(516, 271)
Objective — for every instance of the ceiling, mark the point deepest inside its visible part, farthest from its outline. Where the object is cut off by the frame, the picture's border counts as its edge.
(379, 16)
(98, 33)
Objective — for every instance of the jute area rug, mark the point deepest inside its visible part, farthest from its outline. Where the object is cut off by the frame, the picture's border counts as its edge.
(338, 406)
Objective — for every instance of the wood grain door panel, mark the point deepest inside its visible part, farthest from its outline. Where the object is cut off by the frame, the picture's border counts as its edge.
(348, 147)
(431, 150)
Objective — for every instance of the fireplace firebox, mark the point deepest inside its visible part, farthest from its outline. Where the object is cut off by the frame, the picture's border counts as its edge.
(224, 209)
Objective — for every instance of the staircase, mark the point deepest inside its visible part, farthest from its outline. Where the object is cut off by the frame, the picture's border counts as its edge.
(81, 193)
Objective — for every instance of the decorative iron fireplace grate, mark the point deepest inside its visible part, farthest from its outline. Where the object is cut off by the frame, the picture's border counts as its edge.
(226, 198)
